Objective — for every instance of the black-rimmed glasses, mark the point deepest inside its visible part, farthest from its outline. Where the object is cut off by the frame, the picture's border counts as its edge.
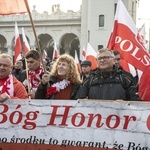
(105, 58)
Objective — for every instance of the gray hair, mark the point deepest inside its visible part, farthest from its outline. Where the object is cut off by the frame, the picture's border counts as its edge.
(106, 50)
(3, 55)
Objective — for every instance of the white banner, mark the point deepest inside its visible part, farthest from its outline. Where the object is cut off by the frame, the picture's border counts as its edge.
(77, 124)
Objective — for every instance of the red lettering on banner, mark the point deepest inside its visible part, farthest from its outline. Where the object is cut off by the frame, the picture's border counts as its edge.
(127, 120)
(4, 116)
(16, 117)
(82, 119)
(98, 123)
(77, 119)
(148, 122)
(64, 115)
(30, 116)
(12, 116)
(109, 121)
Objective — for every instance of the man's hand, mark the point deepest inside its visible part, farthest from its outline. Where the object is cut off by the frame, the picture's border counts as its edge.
(31, 95)
(4, 97)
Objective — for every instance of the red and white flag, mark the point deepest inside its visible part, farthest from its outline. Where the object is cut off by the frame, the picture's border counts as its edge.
(26, 47)
(142, 35)
(126, 40)
(55, 52)
(8, 7)
(91, 56)
(45, 54)
(128, 67)
(83, 54)
(77, 62)
(17, 48)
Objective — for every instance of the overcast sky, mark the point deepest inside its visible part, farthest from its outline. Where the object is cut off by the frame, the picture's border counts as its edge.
(46, 5)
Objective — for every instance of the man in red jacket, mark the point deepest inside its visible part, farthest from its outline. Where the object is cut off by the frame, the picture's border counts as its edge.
(10, 87)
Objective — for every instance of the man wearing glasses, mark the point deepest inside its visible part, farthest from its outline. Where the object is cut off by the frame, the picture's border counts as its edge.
(106, 83)
(10, 87)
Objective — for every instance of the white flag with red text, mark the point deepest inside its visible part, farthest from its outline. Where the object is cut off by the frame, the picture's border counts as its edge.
(17, 47)
(26, 47)
(55, 52)
(126, 40)
(77, 62)
(91, 56)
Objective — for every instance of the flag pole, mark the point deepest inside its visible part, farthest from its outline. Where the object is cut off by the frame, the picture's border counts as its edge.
(33, 27)
(29, 87)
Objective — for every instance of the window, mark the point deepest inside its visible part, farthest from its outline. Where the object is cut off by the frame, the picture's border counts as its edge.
(115, 7)
(132, 9)
(101, 20)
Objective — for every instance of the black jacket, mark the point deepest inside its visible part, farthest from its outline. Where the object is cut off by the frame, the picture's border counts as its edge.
(21, 76)
(108, 86)
(41, 91)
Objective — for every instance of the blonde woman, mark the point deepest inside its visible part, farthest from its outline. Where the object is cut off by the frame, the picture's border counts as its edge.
(63, 81)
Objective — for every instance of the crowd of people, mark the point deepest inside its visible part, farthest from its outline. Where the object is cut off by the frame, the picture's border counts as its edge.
(62, 81)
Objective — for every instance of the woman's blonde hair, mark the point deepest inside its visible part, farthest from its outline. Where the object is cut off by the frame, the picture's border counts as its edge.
(73, 73)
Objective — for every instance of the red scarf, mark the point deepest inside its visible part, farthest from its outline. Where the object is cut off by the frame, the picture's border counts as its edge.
(6, 85)
(35, 77)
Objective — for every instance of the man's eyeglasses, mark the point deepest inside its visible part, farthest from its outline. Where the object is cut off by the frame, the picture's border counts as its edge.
(104, 58)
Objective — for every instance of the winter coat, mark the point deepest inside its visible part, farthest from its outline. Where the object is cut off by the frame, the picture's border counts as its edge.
(112, 85)
(41, 91)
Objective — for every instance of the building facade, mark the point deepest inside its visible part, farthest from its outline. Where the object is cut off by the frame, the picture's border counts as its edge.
(71, 31)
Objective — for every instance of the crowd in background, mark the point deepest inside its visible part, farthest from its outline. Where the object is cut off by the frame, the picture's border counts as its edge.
(27, 79)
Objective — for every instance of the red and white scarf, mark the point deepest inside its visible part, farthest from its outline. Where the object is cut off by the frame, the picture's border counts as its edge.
(8, 87)
(57, 87)
(35, 77)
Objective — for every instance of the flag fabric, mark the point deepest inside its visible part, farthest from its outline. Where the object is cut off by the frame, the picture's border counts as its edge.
(26, 47)
(128, 67)
(17, 47)
(45, 54)
(8, 7)
(142, 35)
(91, 56)
(77, 62)
(83, 54)
(55, 52)
(126, 40)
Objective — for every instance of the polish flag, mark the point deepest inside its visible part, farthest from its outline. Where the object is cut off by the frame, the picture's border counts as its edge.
(55, 52)
(128, 67)
(126, 40)
(45, 54)
(91, 56)
(77, 62)
(8, 7)
(142, 35)
(83, 54)
(17, 49)
(26, 47)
